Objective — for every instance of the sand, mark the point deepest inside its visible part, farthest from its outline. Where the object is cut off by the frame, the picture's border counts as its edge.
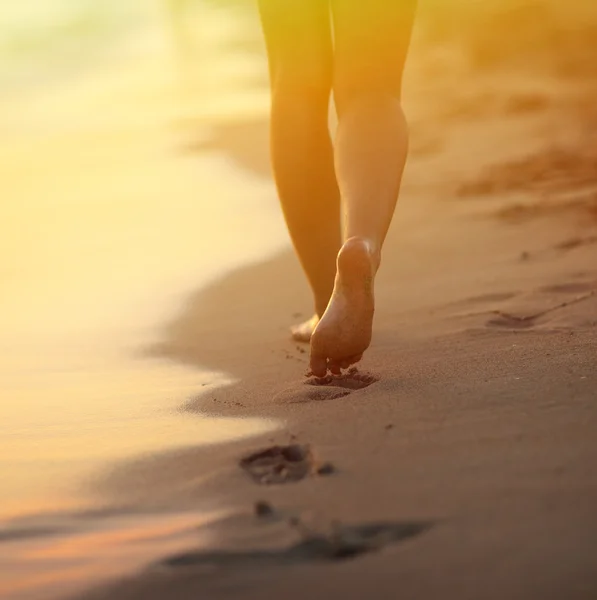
(465, 468)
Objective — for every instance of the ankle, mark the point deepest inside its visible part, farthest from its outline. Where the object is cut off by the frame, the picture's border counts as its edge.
(321, 301)
(320, 308)
(363, 243)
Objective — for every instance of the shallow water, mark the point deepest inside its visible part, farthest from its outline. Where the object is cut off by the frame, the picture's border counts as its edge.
(106, 228)
(40, 38)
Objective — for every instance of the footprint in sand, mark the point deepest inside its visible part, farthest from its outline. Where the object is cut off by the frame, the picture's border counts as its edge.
(342, 543)
(483, 298)
(283, 464)
(541, 303)
(331, 387)
(576, 242)
(351, 380)
(508, 321)
(483, 303)
(569, 288)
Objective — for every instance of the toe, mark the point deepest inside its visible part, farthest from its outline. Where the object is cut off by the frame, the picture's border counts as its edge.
(355, 359)
(347, 362)
(303, 331)
(318, 365)
(299, 334)
(335, 368)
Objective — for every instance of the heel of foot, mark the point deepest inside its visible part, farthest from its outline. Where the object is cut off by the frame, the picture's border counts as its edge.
(344, 332)
(356, 261)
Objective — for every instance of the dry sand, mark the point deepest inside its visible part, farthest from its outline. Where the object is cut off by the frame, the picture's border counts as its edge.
(473, 448)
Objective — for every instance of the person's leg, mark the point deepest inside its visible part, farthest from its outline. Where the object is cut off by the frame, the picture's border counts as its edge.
(299, 46)
(371, 43)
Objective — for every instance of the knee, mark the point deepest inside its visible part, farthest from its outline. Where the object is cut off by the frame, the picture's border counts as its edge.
(365, 88)
(364, 77)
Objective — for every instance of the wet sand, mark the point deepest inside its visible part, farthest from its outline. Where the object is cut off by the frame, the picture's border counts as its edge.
(472, 448)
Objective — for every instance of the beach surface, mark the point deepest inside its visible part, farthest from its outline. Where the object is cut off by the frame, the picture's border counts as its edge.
(148, 286)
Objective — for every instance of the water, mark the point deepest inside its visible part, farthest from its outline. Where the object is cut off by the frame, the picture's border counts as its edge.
(40, 39)
(106, 229)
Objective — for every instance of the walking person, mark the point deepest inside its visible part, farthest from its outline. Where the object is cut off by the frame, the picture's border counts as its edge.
(357, 49)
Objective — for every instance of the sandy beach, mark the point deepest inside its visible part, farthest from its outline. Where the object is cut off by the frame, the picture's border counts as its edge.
(148, 285)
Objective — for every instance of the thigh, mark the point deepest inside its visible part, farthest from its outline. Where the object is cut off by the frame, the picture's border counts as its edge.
(371, 43)
(299, 43)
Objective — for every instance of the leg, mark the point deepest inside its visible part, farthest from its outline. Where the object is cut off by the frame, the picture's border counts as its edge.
(299, 46)
(372, 39)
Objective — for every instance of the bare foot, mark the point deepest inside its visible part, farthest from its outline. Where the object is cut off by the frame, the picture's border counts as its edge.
(344, 331)
(303, 331)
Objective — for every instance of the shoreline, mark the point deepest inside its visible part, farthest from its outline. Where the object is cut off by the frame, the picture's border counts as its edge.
(95, 258)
